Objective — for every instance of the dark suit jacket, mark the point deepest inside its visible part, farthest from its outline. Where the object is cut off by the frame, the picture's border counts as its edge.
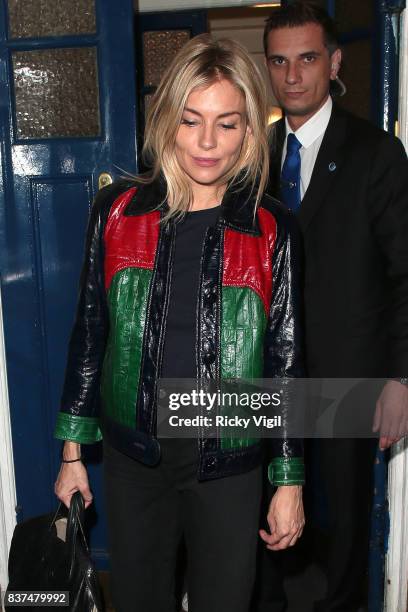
(354, 220)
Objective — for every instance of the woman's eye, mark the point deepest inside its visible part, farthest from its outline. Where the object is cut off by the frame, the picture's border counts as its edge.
(188, 122)
(229, 126)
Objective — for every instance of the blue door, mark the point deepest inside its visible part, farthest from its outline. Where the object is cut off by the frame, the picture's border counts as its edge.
(68, 121)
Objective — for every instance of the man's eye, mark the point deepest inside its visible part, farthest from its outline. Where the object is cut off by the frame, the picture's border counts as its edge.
(188, 122)
(309, 59)
(278, 61)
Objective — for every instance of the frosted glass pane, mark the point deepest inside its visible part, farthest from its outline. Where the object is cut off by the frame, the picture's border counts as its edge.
(56, 92)
(159, 48)
(37, 18)
(147, 100)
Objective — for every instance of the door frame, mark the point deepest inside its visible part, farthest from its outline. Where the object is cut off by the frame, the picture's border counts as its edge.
(8, 497)
(396, 577)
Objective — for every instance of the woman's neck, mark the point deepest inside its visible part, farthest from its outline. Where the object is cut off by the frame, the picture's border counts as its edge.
(205, 196)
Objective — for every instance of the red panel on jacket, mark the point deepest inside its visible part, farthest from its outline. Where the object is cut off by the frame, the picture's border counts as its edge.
(254, 267)
(130, 242)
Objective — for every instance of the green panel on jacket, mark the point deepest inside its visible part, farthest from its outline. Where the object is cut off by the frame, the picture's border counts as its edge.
(127, 301)
(243, 324)
(81, 429)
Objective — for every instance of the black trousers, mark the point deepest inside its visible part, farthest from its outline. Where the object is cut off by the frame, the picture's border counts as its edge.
(345, 475)
(347, 470)
(148, 511)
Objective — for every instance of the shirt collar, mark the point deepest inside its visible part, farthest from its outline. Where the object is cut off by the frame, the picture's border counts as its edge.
(310, 131)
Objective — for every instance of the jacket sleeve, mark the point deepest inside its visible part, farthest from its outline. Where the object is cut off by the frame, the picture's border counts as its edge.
(78, 418)
(388, 210)
(283, 356)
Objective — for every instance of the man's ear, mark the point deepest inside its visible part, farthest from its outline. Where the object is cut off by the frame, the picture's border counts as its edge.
(335, 64)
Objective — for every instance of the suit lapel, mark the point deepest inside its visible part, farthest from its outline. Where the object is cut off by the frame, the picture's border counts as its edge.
(328, 163)
(329, 160)
(277, 140)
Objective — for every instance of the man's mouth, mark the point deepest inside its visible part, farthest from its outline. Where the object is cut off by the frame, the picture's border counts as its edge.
(294, 94)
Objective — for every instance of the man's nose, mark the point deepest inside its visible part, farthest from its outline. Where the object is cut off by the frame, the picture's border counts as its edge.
(208, 137)
(293, 73)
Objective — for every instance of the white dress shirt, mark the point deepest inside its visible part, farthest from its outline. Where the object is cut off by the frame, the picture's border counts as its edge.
(310, 136)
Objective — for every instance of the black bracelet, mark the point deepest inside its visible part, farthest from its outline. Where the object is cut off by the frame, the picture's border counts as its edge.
(71, 460)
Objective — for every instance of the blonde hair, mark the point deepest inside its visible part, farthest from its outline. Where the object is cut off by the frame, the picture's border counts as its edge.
(201, 62)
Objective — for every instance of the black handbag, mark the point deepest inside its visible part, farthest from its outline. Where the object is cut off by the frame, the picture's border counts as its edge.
(50, 553)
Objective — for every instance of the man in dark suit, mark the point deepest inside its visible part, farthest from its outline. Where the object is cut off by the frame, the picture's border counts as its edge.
(347, 182)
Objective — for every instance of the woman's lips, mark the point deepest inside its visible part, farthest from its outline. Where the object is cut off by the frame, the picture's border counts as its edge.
(205, 162)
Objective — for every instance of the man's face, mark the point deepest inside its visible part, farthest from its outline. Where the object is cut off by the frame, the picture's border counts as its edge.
(300, 68)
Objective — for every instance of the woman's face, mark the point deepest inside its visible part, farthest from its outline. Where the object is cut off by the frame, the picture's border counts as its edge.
(211, 133)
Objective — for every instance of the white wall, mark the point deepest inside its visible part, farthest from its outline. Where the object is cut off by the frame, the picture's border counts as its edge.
(180, 5)
(247, 30)
(7, 481)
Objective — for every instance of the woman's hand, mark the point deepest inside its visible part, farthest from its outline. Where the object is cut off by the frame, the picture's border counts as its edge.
(72, 477)
(285, 518)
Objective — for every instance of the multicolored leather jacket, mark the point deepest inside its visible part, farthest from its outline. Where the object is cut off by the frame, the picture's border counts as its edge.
(248, 322)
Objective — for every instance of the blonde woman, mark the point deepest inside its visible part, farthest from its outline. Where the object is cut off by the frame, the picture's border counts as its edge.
(190, 272)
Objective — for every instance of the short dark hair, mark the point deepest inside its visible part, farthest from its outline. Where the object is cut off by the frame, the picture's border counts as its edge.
(299, 14)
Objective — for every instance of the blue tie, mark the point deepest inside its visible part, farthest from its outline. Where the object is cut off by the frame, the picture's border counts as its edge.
(290, 177)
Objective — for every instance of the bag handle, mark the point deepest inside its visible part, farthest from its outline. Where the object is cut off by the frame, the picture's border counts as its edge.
(75, 523)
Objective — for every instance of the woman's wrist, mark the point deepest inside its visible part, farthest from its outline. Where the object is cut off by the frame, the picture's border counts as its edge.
(71, 451)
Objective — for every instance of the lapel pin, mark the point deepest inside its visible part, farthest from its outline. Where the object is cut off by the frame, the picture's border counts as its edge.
(332, 166)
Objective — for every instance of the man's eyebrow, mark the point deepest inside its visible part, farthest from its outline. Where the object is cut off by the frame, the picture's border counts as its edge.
(275, 56)
(304, 54)
(227, 114)
(309, 53)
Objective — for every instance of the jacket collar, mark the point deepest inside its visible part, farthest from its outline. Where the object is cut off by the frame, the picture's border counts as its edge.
(237, 206)
(147, 198)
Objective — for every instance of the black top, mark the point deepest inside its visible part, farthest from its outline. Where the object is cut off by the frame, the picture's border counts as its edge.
(179, 358)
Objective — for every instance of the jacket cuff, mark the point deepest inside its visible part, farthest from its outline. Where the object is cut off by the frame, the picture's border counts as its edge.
(284, 471)
(84, 430)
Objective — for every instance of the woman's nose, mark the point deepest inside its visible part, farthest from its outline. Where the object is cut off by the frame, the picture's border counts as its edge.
(208, 138)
